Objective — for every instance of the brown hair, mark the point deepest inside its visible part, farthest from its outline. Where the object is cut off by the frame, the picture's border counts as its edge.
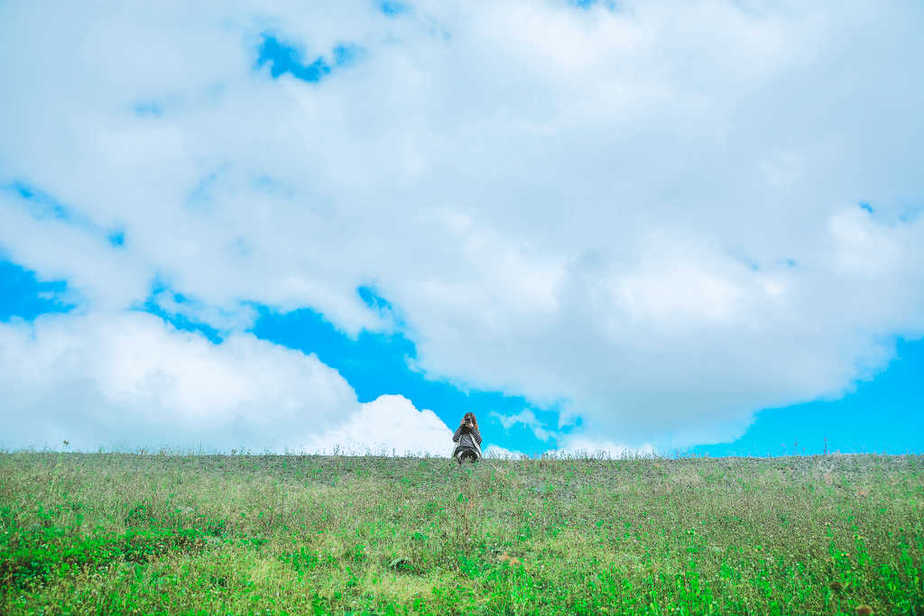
(474, 421)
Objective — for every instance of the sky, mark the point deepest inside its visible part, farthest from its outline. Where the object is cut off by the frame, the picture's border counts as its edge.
(632, 228)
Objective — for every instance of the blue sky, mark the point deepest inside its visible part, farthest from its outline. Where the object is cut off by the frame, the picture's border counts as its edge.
(876, 417)
(376, 364)
(346, 224)
(24, 297)
(881, 415)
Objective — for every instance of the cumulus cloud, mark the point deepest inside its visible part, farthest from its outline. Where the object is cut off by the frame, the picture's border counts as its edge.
(129, 380)
(388, 425)
(647, 217)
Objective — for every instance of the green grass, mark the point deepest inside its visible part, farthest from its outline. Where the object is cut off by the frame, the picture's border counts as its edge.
(144, 534)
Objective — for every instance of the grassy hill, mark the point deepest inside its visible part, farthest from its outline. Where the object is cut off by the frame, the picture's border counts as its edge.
(123, 533)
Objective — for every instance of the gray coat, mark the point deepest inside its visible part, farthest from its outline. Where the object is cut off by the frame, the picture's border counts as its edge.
(466, 439)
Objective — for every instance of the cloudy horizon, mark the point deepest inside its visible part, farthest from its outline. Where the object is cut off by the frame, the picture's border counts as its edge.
(621, 227)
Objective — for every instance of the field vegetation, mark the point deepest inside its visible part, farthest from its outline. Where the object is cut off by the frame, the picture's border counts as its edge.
(247, 534)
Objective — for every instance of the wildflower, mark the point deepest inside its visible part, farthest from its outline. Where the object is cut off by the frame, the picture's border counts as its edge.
(512, 561)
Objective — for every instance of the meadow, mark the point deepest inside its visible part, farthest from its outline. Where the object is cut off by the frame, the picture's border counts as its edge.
(114, 533)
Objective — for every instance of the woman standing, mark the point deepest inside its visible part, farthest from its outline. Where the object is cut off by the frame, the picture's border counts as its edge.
(468, 438)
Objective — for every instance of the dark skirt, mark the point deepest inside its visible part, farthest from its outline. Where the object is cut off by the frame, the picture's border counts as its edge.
(464, 453)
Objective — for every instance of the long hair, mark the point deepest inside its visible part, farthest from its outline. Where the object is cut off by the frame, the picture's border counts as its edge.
(474, 421)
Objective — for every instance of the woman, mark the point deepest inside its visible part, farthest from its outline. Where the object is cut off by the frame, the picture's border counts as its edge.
(469, 440)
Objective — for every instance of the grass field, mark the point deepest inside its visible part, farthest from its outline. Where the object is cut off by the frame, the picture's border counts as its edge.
(142, 534)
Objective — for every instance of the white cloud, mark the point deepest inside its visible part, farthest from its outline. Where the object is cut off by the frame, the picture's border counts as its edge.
(129, 380)
(390, 425)
(236, 319)
(592, 208)
(528, 419)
